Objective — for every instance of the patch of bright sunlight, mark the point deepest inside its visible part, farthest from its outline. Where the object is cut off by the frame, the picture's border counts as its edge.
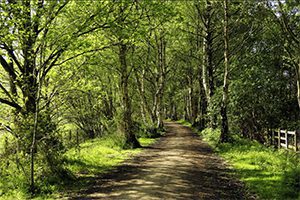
(147, 141)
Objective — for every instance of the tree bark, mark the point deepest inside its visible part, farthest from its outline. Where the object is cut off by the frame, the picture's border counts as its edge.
(126, 123)
(207, 67)
(145, 109)
(200, 121)
(298, 84)
(160, 80)
(224, 129)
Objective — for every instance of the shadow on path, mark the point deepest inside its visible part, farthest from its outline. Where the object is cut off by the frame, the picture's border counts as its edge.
(179, 166)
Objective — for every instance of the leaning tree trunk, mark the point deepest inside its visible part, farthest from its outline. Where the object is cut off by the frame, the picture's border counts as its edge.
(224, 129)
(126, 119)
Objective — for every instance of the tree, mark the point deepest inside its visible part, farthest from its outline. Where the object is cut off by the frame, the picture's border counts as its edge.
(224, 127)
(33, 41)
(287, 15)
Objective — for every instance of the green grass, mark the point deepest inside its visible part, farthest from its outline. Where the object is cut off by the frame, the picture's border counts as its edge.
(99, 156)
(267, 172)
(147, 141)
(94, 157)
(184, 122)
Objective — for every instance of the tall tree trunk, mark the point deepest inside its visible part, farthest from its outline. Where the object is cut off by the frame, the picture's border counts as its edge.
(298, 83)
(160, 80)
(30, 87)
(207, 67)
(145, 110)
(126, 123)
(203, 107)
(190, 103)
(224, 129)
(202, 98)
(34, 134)
(143, 97)
(204, 68)
(173, 111)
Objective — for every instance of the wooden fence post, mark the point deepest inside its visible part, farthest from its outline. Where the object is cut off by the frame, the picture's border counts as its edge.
(279, 140)
(282, 138)
(286, 139)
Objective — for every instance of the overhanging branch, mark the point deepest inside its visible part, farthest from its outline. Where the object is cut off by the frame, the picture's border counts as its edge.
(12, 104)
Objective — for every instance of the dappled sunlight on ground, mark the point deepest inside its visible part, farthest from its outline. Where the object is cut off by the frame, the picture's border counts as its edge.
(180, 166)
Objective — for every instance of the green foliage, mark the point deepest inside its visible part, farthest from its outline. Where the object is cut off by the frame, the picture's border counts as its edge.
(72, 50)
(211, 136)
(13, 182)
(96, 156)
(85, 109)
(99, 155)
(185, 123)
(15, 159)
(93, 157)
(291, 177)
(266, 172)
(147, 131)
(269, 173)
(147, 141)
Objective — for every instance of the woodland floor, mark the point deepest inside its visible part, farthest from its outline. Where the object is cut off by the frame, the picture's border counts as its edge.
(179, 166)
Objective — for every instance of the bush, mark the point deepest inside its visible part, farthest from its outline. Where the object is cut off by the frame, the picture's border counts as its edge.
(143, 131)
(291, 177)
(211, 136)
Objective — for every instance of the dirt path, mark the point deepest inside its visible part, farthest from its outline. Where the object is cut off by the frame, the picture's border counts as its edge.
(179, 166)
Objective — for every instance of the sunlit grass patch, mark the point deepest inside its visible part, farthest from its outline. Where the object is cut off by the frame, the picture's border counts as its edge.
(93, 157)
(147, 141)
(267, 172)
(184, 122)
(99, 155)
(261, 170)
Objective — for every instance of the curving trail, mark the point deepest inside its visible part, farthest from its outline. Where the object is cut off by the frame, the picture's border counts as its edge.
(179, 166)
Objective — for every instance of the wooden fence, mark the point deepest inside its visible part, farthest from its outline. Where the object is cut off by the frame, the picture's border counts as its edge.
(286, 139)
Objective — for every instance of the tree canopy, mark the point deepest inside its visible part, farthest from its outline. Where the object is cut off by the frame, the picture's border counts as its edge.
(99, 68)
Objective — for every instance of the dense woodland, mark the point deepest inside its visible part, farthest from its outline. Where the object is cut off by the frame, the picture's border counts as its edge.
(77, 70)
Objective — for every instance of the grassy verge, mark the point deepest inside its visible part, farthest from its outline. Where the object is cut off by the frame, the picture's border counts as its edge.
(94, 157)
(185, 123)
(267, 172)
(99, 156)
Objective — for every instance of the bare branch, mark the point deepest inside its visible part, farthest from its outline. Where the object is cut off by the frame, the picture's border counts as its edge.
(7, 93)
(8, 129)
(7, 67)
(13, 56)
(12, 104)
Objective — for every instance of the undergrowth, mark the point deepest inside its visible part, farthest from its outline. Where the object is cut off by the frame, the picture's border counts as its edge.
(267, 172)
(93, 157)
(99, 155)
